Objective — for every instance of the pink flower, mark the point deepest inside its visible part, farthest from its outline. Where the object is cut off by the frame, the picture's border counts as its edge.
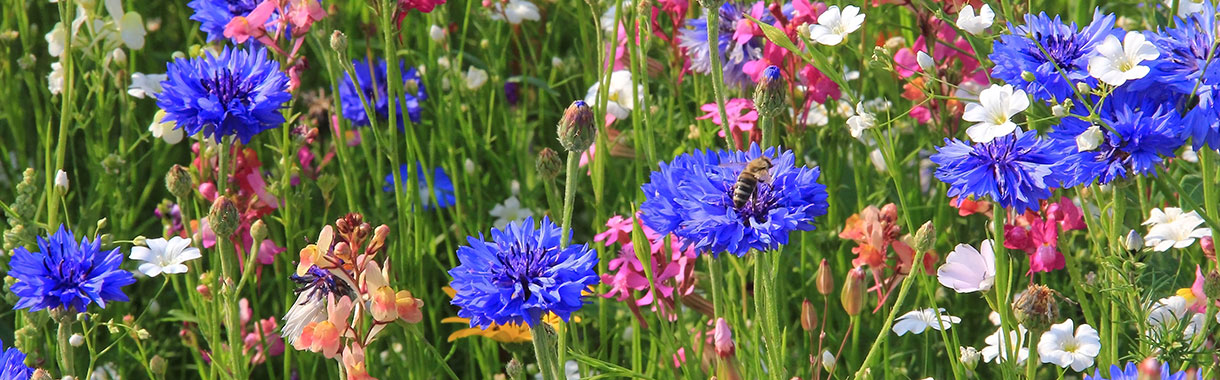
(325, 336)
(1040, 242)
(253, 25)
(1196, 289)
(668, 262)
(302, 14)
(1069, 216)
(818, 85)
(741, 113)
(724, 339)
(263, 339)
(404, 6)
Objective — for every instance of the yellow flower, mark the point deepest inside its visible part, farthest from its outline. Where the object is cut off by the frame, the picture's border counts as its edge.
(510, 333)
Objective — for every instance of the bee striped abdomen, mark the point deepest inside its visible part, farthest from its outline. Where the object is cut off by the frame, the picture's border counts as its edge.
(744, 190)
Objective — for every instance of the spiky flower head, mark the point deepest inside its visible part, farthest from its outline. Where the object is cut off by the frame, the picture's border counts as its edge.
(770, 92)
(1016, 170)
(239, 92)
(66, 275)
(549, 164)
(576, 129)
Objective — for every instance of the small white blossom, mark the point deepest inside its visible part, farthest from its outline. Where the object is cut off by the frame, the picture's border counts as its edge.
(925, 61)
(61, 181)
(1189, 155)
(509, 211)
(970, 357)
(1015, 339)
(55, 80)
(968, 270)
(436, 33)
(475, 78)
(1173, 228)
(1061, 347)
(161, 256)
(972, 23)
(1186, 7)
(76, 340)
(834, 25)
(146, 85)
(916, 321)
(516, 11)
(1089, 139)
(1168, 314)
(860, 121)
(828, 361)
(619, 96)
(1116, 63)
(165, 130)
(993, 113)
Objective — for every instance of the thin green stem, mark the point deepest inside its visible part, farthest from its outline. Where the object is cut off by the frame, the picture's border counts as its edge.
(717, 77)
(66, 362)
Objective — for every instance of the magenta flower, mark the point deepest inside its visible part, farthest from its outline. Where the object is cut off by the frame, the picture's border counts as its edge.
(668, 263)
(742, 117)
(1040, 242)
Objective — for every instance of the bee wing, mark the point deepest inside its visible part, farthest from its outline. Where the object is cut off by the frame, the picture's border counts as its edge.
(734, 165)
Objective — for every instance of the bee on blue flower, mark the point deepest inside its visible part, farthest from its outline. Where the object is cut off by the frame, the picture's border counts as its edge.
(12, 364)
(693, 198)
(1017, 170)
(1183, 68)
(239, 92)
(443, 189)
(67, 275)
(521, 275)
(371, 77)
(1148, 130)
(1046, 57)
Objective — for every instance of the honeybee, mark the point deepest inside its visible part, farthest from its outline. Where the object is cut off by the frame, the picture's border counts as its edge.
(756, 170)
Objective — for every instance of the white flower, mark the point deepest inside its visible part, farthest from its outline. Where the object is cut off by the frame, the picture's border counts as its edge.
(1168, 313)
(1116, 63)
(436, 33)
(509, 211)
(860, 121)
(619, 98)
(516, 11)
(1059, 346)
(925, 61)
(606, 21)
(161, 256)
(992, 115)
(61, 181)
(833, 26)
(970, 357)
(475, 78)
(1089, 139)
(878, 160)
(975, 24)
(994, 318)
(916, 321)
(130, 25)
(165, 130)
(76, 340)
(307, 309)
(1172, 228)
(1015, 343)
(968, 270)
(816, 115)
(146, 85)
(1186, 7)
(55, 80)
(828, 361)
(1189, 155)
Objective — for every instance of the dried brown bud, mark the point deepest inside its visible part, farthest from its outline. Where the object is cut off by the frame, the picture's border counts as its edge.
(809, 316)
(223, 217)
(853, 292)
(1037, 308)
(825, 279)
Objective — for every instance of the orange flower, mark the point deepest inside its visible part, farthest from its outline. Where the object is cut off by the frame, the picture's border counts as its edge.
(313, 255)
(325, 336)
(353, 361)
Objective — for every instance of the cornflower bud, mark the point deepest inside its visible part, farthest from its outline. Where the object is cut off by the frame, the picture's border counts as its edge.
(1037, 308)
(338, 42)
(549, 165)
(825, 279)
(158, 365)
(515, 370)
(809, 316)
(1211, 285)
(178, 182)
(769, 94)
(853, 292)
(576, 130)
(223, 217)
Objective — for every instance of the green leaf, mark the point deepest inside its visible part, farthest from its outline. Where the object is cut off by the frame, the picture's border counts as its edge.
(178, 315)
(777, 36)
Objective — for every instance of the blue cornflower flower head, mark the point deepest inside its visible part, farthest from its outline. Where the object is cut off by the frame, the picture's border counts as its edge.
(692, 197)
(240, 92)
(214, 15)
(734, 54)
(1130, 372)
(521, 275)
(373, 82)
(443, 188)
(1016, 170)
(1183, 68)
(64, 274)
(1046, 57)
(12, 364)
(1147, 131)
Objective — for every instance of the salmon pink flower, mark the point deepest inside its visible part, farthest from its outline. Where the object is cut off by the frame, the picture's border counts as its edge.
(324, 336)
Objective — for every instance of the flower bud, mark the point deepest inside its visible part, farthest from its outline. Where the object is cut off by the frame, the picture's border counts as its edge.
(40, 374)
(925, 62)
(1028, 76)
(204, 291)
(1089, 139)
(549, 165)
(223, 217)
(1209, 247)
(769, 94)
(1150, 369)
(178, 182)
(338, 42)
(158, 365)
(119, 57)
(76, 340)
(970, 357)
(61, 182)
(436, 33)
(1211, 285)
(1037, 308)
(258, 231)
(809, 316)
(723, 337)
(1083, 88)
(143, 334)
(1133, 241)
(853, 292)
(557, 62)
(576, 130)
(828, 361)
(925, 237)
(825, 279)
(515, 370)
(140, 241)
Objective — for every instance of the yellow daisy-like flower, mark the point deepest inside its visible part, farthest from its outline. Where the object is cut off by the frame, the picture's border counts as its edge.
(510, 333)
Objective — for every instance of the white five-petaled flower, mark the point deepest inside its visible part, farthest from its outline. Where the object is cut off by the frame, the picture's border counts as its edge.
(972, 23)
(1172, 228)
(1168, 314)
(916, 321)
(1015, 343)
(161, 256)
(619, 95)
(146, 85)
(993, 113)
(1186, 7)
(165, 130)
(509, 211)
(968, 270)
(1116, 63)
(1089, 139)
(515, 11)
(1061, 347)
(860, 121)
(834, 25)
(475, 78)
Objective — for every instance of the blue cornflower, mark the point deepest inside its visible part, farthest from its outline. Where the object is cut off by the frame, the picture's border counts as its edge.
(372, 79)
(1148, 130)
(1183, 68)
(443, 188)
(1054, 54)
(66, 275)
(734, 54)
(214, 15)
(12, 364)
(521, 275)
(1016, 170)
(240, 92)
(1130, 372)
(692, 197)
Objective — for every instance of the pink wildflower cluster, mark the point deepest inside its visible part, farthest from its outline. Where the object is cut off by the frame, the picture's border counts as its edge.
(742, 118)
(1038, 234)
(953, 62)
(296, 17)
(672, 267)
(262, 337)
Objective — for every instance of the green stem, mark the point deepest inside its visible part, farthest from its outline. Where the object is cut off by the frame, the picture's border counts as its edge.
(569, 197)
(66, 363)
(1031, 364)
(713, 34)
(1207, 170)
(544, 349)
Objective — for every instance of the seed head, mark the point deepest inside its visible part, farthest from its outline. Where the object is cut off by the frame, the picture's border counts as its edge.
(1037, 308)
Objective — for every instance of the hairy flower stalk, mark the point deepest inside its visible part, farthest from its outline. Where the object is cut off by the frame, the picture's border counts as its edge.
(713, 35)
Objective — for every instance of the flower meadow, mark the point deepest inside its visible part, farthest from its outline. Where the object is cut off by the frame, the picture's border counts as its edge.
(643, 189)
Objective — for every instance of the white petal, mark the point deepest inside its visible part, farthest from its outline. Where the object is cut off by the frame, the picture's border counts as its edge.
(150, 269)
